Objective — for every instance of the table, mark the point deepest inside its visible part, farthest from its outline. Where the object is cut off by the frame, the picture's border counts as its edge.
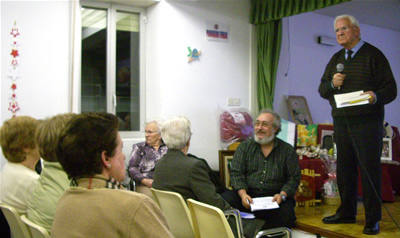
(319, 168)
(387, 188)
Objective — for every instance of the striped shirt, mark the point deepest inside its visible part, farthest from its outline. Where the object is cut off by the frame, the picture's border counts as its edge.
(279, 171)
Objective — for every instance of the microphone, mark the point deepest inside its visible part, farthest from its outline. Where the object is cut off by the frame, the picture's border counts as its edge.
(339, 69)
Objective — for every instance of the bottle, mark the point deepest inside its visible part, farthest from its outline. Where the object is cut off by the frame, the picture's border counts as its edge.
(334, 155)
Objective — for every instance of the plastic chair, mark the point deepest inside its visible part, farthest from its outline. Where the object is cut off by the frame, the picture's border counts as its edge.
(17, 227)
(176, 211)
(36, 230)
(210, 221)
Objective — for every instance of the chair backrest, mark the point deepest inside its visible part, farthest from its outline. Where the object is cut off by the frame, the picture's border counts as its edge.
(209, 221)
(36, 230)
(17, 227)
(176, 211)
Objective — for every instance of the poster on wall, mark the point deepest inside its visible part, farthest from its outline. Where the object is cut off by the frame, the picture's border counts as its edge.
(217, 31)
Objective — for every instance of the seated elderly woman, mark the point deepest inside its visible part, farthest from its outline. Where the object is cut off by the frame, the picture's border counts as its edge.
(53, 180)
(90, 151)
(145, 155)
(18, 176)
(193, 180)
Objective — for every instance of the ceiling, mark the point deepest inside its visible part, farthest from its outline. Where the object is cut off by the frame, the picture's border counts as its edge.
(380, 13)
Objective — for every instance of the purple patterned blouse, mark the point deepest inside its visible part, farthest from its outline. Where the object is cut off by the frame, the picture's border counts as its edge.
(143, 160)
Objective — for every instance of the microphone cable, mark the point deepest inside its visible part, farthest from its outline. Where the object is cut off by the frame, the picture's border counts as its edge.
(362, 167)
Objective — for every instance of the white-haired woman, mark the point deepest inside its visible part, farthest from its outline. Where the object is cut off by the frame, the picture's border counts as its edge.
(145, 155)
(180, 173)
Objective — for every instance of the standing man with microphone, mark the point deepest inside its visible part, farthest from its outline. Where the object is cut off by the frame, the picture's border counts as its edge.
(358, 129)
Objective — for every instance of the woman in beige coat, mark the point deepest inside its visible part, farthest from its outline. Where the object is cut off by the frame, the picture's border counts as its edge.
(90, 151)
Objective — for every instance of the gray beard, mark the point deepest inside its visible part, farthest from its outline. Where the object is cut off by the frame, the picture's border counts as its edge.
(264, 140)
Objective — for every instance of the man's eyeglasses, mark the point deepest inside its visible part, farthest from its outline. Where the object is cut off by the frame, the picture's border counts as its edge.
(262, 123)
(343, 28)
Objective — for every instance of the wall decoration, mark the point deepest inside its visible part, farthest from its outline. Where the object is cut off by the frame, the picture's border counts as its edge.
(324, 130)
(299, 110)
(217, 31)
(14, 71)
(193, 54)
(225, 160)
(387, 149)
(288, 133)
(307, 135)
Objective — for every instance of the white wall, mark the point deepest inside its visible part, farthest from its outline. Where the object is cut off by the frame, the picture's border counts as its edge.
(306, 61)
(198, 90)
(44, 61)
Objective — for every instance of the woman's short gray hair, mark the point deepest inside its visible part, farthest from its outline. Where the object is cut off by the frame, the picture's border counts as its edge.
(158, 121)
(352, 19)
(277, 119)
(176, 132)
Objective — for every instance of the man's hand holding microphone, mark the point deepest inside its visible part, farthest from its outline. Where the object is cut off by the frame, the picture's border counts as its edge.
(338, 78)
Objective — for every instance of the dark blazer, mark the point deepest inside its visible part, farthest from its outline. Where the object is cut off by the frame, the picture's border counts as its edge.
(188, 176)
(215, 179)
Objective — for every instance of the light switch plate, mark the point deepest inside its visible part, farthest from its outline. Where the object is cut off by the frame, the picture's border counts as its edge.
(233, 102)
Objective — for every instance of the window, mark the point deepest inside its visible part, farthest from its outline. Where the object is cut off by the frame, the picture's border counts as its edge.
(111, 63)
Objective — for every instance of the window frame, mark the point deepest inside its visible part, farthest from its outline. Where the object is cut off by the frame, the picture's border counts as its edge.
(111, 9)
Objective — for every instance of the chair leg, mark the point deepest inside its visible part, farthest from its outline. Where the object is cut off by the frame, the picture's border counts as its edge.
(238, 219)
(275, 232)
(132, 185)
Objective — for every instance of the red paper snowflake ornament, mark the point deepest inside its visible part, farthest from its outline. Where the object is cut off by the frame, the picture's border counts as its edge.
(14, 31)
(13, 96)
(15, 43)
(13, 107)
(14, 53)
(14, 63)
(13, 72)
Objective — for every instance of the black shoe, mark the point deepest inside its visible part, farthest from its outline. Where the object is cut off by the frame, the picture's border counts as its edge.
(371, 228)
(336, 219)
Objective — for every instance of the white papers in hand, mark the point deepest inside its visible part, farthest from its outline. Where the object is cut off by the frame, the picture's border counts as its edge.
(351, 99)
(263, 203)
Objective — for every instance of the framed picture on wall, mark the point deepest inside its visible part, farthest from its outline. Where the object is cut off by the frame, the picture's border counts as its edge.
(225, 160)
(387, 149)
(325, 135)
(299, 111)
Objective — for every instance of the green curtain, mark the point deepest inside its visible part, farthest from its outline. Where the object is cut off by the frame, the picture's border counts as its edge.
(269, 47)
(267, 16)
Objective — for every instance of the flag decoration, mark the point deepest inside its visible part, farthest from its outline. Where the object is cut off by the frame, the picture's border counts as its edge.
(14, 71)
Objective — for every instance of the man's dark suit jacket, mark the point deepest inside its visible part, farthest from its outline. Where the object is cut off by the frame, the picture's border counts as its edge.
(219, 186)
(188, 176)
